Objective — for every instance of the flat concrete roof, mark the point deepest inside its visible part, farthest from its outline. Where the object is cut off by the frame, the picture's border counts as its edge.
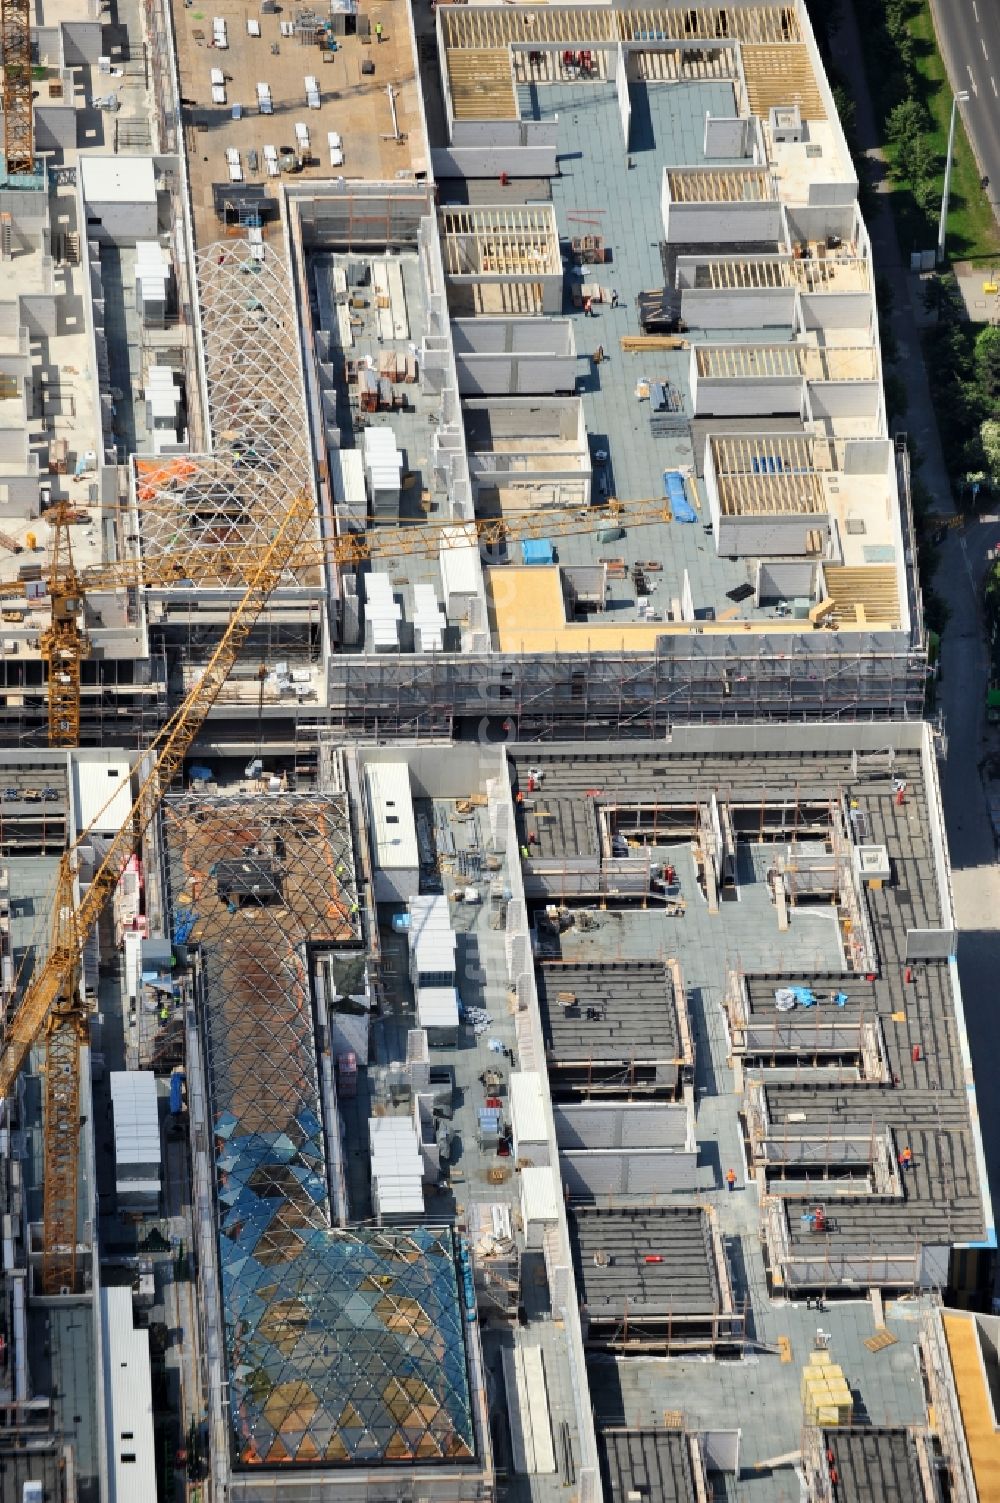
(922, 1100)
(656, 1464)
(126, 180)
(874, 1463)
(352, 103)
(650, 1261)
(620, 1011)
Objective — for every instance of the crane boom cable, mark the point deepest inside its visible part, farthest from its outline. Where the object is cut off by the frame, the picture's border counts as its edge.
(227, 566)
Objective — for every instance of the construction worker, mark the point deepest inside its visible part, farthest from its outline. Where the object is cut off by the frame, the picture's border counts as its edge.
(378, 31)
(906, 1158)
(731, 1180)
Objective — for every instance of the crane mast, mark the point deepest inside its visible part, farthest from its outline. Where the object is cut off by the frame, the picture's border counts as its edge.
(15, 34)
(64, 643)
(53, 1007)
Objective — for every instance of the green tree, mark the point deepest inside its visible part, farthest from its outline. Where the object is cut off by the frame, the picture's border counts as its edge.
(906, 124)
(987, 363)
(989, 437)
(846, 112)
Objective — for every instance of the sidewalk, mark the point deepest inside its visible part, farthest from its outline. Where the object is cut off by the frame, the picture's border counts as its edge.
(919, 423)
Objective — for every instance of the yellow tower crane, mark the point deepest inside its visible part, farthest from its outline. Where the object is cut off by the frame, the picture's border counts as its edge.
(52, 1007)
(64, 643)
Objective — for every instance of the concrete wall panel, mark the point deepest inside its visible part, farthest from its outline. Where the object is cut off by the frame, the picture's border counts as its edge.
(844, 398)
(485, 161)
(738, 310)
(836, 310)
(640, 1174)
(757, 398)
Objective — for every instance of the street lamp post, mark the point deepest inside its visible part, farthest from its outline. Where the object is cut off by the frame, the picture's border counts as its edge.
(960, 98)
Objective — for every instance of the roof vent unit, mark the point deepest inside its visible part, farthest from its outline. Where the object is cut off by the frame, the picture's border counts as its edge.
(872, 863)
(786, 124)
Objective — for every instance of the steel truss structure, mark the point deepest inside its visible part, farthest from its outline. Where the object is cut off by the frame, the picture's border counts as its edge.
(233, 498)
(343, 1345)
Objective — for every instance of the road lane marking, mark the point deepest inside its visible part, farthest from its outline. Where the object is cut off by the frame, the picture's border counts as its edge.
(972, 81)
(975, 11)
(983, 46)
(994, 83)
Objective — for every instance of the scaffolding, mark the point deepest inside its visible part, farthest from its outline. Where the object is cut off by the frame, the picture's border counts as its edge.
(494, 27)
(772, 476)
(732, 185)
(840, 271)
(589, 695)
(745, 362)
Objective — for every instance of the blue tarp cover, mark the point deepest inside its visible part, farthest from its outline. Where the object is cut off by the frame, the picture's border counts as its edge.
(673, 486)
(537, 551)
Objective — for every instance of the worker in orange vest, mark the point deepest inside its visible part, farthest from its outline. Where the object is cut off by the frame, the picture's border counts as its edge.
(731, 1179)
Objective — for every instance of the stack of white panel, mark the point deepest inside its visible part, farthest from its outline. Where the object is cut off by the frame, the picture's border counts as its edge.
(163, 400)
(137, 1139)
(384, 464)
(397, 1169)
(302, 138)
(312, 92)
(264, 99)
(429, 620)
(218, 86)
(529, 1126)
(347, 477)
(432, 941)
(437, 1012)
(460, 572)
(381, 612)
(233, 163)
(152, 271)
(220, 37)
(271, 161)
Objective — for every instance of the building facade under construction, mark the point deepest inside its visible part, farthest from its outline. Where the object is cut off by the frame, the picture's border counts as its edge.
(670, 442)
(522, 1053)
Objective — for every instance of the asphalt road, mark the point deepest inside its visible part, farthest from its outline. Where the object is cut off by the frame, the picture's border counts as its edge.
(969, 35)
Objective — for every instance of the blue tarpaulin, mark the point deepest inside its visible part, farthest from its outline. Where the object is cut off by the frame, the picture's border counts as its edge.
(803, 996)
(537, 551)
(673, 489)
